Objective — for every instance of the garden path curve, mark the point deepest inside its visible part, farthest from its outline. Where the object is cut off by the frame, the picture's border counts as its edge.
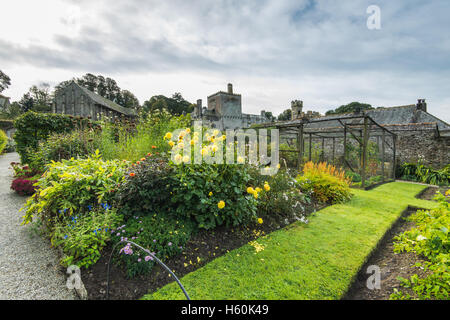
(29, 268)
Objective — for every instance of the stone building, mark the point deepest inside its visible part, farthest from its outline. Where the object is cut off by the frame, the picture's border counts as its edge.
(78, 101)
(420, 135)
(4, 102)
(224, 111)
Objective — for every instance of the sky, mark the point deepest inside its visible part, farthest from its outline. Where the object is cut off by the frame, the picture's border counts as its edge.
(272, 51)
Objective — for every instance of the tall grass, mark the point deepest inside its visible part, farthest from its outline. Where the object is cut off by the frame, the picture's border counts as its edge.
(132, 142)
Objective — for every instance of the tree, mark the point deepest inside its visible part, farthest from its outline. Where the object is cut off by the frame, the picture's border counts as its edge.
(38, 98)
(5, 81)
(285, 115)
(176, 105)
(128, 100)
(12, 111)
(270, 116)
(350, 108)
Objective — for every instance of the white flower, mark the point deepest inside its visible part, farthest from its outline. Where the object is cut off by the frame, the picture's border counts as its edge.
(420, 237)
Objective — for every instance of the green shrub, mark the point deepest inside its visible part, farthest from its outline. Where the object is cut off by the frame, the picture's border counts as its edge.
(283, 197)
(59, 146)
(421, 173)
(164, 236)
(326, 183)
(82, 237)
(355, 177)
(33, 127)
(146, 187)
(70, 187)
(200, 190)
(3, 141)
(429, 239)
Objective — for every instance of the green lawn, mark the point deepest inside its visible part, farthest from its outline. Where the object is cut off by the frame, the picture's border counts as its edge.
(313, 261)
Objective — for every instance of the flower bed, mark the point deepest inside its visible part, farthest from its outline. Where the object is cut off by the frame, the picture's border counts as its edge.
(184, 213)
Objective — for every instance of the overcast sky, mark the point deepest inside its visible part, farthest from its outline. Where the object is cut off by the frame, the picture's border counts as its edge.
(272, 51)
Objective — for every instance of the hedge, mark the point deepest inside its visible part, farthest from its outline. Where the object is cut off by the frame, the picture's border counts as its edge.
(32, 127)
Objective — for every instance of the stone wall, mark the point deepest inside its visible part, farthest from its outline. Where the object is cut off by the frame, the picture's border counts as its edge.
(416, 143)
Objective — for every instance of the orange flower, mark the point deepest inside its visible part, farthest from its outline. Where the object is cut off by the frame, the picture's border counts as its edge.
(132, 174)
(149, 154)
(142, 159)
(138, 162)
(153, 147)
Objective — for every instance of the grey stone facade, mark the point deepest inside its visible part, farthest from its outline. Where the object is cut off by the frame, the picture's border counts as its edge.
(224, 111)
(78, 101)
(4, 102)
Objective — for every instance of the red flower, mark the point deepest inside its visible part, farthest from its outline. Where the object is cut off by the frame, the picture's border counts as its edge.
(153, 147)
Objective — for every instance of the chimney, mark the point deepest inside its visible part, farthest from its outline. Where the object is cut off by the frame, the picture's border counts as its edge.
(421, 105)
(230, 88)
(199, 108)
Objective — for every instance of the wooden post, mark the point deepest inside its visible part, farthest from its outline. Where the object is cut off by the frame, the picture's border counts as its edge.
(364, 152)
(300, 147)
(382, 157)
(345, 143)
(394, 142)
(310, 146)
(334, 147)
(323, 150)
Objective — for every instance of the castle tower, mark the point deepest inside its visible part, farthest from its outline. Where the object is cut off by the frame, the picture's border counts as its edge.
(297, 107)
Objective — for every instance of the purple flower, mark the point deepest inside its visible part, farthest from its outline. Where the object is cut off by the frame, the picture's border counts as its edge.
(139, 260)
(169, 244)
(148, 258)
(154, 240)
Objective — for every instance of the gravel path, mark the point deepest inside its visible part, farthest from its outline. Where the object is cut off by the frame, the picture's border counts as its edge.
(29, 268)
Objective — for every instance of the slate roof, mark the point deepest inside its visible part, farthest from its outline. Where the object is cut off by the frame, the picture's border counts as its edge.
(388, 117)
(405, 115)
(106, 103)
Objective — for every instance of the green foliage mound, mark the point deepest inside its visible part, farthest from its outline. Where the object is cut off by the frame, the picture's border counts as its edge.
(3, 141)
(325, 182)
(430, 240)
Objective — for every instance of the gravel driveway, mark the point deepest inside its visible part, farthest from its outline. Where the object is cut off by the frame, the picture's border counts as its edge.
(29, 268)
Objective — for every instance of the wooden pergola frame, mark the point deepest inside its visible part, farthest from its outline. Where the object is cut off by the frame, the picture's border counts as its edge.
(359, 127)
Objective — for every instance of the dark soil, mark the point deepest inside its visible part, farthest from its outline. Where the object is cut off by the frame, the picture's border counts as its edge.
(392, 265)
(430, 192)
(205, 245)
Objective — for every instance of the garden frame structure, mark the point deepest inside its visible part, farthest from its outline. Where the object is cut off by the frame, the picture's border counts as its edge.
(360, 127)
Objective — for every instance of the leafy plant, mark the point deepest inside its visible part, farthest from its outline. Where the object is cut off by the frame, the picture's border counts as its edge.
(163, 235)
(82, 237)
(430, 240)
(24, 186)
(69, 187)
(200, 191)
(422, 173)
(281, 196)
(326, 182)
(3, 140)
(147, 187)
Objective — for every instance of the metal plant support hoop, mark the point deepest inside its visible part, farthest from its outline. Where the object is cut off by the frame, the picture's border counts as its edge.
(150, 254)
